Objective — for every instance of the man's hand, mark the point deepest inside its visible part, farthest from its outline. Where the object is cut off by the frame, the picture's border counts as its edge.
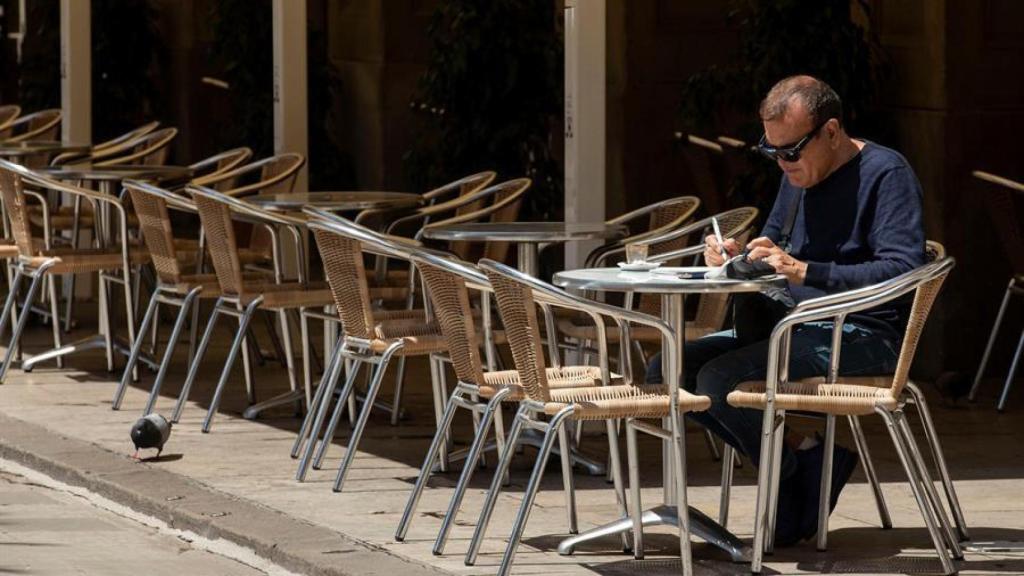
(764, 249)
(713, 253)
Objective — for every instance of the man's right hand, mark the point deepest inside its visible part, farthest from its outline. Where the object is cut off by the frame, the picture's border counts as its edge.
(713, 253)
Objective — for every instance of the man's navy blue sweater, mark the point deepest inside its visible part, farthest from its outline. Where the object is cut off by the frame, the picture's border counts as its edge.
(861, 225)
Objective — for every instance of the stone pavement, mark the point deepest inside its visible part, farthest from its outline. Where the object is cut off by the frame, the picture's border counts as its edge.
(237, 483)
(49, 531)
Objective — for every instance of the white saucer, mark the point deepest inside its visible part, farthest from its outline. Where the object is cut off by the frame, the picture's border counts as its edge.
(638, 266)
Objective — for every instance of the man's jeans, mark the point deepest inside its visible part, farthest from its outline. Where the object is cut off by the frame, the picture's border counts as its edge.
(715, 364)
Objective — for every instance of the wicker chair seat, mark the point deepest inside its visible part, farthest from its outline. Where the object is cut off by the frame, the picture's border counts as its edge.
(63, 218)
(288, 294)
(419, 338)
(81, 260)
(558, 379)
(623, 401)
(851, 397)
(582, 328)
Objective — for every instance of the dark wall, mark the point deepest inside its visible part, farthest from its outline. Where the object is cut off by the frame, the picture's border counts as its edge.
(956, 99)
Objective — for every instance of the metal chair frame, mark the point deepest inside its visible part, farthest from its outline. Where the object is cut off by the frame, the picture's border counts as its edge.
(30, 266)
(546, 295)
(837, 307)
(232, 304)
(1014, 288)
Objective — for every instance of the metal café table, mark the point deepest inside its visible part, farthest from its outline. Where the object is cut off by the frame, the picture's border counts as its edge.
(108, 178)
(335, 201)
(672, 284)
(527, 236)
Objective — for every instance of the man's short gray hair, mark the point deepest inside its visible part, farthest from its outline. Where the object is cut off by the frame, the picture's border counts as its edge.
(819, 98)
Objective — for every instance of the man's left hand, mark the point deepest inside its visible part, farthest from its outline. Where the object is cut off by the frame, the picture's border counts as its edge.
(764, 249)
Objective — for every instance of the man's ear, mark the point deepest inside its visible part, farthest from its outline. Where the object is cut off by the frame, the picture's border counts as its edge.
(833, 128)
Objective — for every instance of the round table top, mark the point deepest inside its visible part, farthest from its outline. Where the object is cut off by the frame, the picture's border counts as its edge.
(30, 147)
(117, 173)
(669, 280)
(335, 200)
(526, 232)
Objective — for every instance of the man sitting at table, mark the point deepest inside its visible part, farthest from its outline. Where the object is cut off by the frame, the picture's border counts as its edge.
(854, 215)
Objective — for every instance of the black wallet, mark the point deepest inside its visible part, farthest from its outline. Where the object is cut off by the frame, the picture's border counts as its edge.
(740, 268)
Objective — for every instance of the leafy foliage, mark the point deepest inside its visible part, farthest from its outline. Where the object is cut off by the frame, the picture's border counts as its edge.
(491, 98)
(779, 39)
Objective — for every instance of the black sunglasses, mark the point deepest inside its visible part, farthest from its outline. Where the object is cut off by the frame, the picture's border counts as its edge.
(789, 153)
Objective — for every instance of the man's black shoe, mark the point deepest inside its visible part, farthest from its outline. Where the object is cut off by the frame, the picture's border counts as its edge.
(789, 516)
(809, 475)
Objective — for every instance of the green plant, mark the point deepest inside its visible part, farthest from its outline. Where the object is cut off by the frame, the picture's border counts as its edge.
(491, 97)
(779, 39)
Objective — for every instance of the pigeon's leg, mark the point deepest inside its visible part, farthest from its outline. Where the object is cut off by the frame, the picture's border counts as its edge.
(135, 456)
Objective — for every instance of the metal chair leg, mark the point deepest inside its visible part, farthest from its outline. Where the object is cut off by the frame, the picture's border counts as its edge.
(333, 365)
(615, 469)
(764, 474)
(991, 340)
(929, 489)
(776, 480)
(1013, 372)
(491, 413)
(932, 436)
(682, 498)
(635, 507)
(332, 424)
(728, 454)
(428, 464)
(243, 324)
(133, 357)
(926, 513)
(869, 471)
(37, 278)
(568, 484)
(249, 348)
(51, 281)
(554, 428)
(328, 385)
(129, 305)
(492, 494)
(12, 295)
(396, 406)
(364, 415)
(193, 368)
(172, 343)
(825, 495)
(289, 357)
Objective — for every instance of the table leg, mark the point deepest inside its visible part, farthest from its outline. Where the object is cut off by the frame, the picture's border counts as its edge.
(528, 258)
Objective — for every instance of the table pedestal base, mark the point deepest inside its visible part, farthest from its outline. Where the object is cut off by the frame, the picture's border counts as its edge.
(91, 343)
(700, 525)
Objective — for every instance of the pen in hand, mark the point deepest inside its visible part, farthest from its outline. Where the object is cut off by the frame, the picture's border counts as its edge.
(718, 237)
